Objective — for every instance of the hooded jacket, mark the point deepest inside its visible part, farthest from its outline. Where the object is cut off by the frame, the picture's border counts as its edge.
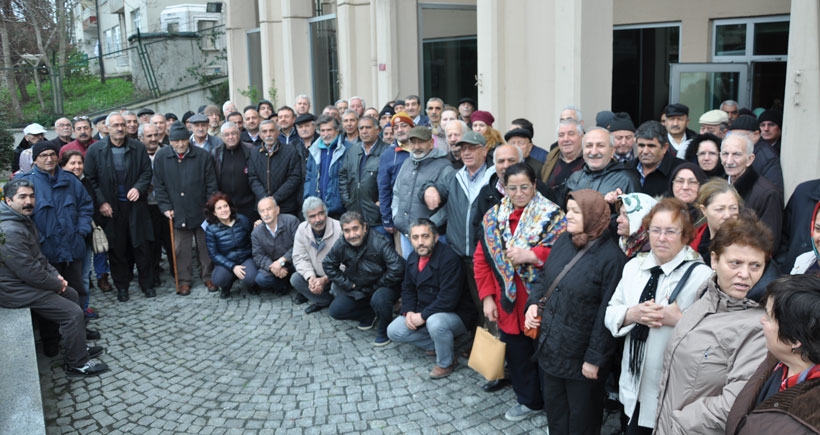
(408, 203)
(714, 350)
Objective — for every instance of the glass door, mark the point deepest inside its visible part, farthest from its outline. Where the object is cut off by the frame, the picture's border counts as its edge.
(703, 86)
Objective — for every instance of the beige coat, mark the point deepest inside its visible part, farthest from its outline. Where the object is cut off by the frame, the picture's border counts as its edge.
(307, 260)
(715, 348)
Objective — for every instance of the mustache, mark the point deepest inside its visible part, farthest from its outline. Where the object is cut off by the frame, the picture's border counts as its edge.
(28, 207)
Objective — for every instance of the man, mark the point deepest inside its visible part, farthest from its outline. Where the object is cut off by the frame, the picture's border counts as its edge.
(183, 181)
(119, 171)
(732, 110)
(759, 194)
(677, 126)
(536, 152)
(623, 133)
(770, 124)
(357, 105)
(366, 273)
(272, 245)
(99, 125)
(231, 168)
(341, 106)
(350, 123)
(715, 122)
(144, 115)
(412, 105)
(323, 165)
(432, 295)
(358, 184)
(302, 105)
(27, 280)
(149, 136)
(389, 165)
(312, 242)
(426, 164)
(454, 131)
(766, 162)
(601, 172)
(251, 133)
(82, 128)
(228, 107)
(306, 127)
(565, 158)
(288, 134)
(466, 107)
(200, 137)
(522, 139)
(655, 161)
(435, 106)
(276, 170)
(161, 124)
(32, 134)
(237, 119)
(63, 128)
(132, 124)
(797, 217)
(214, 120)
(332, 111)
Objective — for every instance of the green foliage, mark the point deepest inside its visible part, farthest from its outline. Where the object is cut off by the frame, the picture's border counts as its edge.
(83, 94)
(273, 93)
(220, 93)
(6, 138)
(251, 93)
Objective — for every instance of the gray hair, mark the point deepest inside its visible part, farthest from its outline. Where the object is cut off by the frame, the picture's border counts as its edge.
(573, 122)
(436, 99)
(128, 113)
(611, 139)
(302, 96)
(225, 104)
(750, 146)
(464, 127)
(357, 98)
(141, 130)
(230, 124)
(517, 150)
(108, 118)
(324, 119)
(372, 120)
(311, 203)
(351, 111)
(269, 121)
(576, 110)
(729, 103)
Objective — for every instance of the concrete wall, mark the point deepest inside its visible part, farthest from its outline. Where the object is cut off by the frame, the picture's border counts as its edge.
(240, 16)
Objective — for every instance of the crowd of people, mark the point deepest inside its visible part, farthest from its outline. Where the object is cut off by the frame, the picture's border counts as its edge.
(651, 255)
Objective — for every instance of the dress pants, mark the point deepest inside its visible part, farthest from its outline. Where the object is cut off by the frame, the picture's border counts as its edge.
(301, 286)
(380, 304)
(573, 406)
(162, 240)
(63, 310)
(268, 281)
(523, 371)
(122, 254)
(183, 238)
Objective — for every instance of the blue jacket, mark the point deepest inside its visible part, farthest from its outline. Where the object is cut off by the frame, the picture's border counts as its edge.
(229, 246)
(389, 164)
(62, 214)
(331, 195)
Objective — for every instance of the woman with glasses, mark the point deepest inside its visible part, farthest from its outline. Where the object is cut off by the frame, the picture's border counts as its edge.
(518, 235)
(646, 307)
(574, 348)
(705, 151)
(684, 184)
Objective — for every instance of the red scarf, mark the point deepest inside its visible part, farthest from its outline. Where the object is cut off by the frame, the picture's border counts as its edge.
(806, 375)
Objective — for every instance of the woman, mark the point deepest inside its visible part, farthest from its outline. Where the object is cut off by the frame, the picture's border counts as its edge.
(705, 151)
(684, 182)
(482, 122)
(574, 347)
(228, 237)
(632, 208)
(718, 342)
(809, 262)
(518, 235)
(265, 109)
(717, 201)
(73, 161)
(783, 394)
(640, 309)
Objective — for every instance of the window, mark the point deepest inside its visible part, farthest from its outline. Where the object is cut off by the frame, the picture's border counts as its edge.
(207, 33)
(172, 27)
(112, 39)
(136, 19)
(449, 51)
(324, 60)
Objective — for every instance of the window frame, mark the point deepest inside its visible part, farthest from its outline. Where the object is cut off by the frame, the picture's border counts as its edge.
(749, 56)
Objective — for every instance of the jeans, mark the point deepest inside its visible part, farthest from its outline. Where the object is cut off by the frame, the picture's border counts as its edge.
(344, 307)
(301, 286)
(437, 333)
(268, 281)
(224, 278)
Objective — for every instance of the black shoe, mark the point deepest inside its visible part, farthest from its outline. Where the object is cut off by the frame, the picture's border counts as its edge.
(122, 295)
(51, 349)
(150, 292)
(254, 290)
(312, 308)
(299, 299)
(94, 351)
(225, 293)
(91, 368)
(496, 385)
(91, 334)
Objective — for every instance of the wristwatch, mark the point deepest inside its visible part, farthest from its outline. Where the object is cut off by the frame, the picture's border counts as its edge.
(282, 263)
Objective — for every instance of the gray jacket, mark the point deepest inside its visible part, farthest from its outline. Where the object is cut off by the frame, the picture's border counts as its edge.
(614, 175)
(461, 208)
(268, 248)
(408, 202)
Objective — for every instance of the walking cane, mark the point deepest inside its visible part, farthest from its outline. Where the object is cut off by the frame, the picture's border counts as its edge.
(174, 253)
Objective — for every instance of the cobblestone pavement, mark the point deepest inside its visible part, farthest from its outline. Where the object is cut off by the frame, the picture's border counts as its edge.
(258, 364)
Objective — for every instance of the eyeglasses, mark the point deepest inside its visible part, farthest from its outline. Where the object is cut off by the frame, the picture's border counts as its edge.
(684, 182)
(668, 232)
(47, 155)
(524, 188)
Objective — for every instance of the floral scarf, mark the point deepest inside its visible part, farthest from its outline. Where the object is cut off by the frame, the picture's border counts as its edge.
(540, 225)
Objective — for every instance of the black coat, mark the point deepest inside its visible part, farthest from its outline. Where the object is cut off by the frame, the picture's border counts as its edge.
(657, 182)
(184, 185)
(762, 196)
(372, 265)
(99, 170)
(572, 325)
(797, 220)
(278, 175)
(438, 288)
(359, 189)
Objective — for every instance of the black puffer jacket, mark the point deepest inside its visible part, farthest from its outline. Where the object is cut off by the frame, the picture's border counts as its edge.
(572, 325)
(359, 189)
(229, 246)
(370, 266)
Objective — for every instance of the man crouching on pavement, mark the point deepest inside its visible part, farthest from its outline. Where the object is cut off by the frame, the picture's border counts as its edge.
(435, 305)
(368, 285)
(27, 280)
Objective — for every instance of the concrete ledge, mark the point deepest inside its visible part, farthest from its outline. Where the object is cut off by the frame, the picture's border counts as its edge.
(22, 409)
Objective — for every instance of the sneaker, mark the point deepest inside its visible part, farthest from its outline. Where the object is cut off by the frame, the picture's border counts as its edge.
(91, 334)
(91, 368)
(94, 351)
(366, 325)
(381, 340)
(91, 314)
(519, 412)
